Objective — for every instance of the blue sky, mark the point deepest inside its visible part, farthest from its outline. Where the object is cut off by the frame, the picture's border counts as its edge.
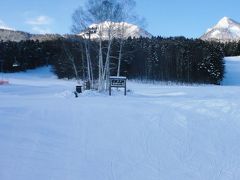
(190, 18)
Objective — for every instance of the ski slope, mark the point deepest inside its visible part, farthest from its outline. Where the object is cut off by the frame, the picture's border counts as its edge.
(232, 77)
(156, 132)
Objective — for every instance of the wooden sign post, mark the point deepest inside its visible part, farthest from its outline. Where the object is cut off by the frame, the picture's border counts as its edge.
(117, 82)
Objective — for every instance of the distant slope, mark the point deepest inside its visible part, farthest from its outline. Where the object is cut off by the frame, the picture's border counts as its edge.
(224, 31)
(232, 76)
(17, 36)
(119, 30)
(11, 35)
(130, 30)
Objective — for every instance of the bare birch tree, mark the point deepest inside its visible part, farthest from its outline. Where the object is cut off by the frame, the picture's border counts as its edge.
(71, 58)
(124, 30)
(106, 15)
(81, 19)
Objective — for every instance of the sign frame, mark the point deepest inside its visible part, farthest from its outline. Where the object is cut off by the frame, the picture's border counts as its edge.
(117, 82)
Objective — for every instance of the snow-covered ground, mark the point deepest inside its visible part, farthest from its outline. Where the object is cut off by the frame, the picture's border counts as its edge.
(156, 132)
(232, 77)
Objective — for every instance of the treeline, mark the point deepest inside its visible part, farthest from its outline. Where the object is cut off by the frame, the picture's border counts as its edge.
(22, 55)
(162, 59)
(231, 48)
(176, 59)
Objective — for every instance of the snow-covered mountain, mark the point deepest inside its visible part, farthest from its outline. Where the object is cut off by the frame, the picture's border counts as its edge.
(118, 30)
(224, 31)
(11, 35)
(17, 36)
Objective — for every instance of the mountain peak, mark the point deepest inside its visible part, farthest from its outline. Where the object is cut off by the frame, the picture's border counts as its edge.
(225, 22)
(224, 31)
(119, 30)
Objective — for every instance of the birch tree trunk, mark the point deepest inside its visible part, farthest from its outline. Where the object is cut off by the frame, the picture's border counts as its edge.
(120, 58)
(100, 68)
(89, 62)
(106, 72)
(72, 60)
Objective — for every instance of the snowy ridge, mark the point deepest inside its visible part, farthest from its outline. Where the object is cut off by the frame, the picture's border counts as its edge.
(224, 31)
(17, 36)
(12, 35)
(119, 30)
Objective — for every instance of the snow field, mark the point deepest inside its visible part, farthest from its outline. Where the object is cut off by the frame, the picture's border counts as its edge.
(156, 132)
(232, 76)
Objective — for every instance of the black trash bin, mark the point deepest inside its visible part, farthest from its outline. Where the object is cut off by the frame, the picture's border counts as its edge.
(79, 89)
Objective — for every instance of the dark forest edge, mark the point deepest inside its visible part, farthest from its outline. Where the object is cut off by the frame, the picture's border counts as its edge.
(174, 59)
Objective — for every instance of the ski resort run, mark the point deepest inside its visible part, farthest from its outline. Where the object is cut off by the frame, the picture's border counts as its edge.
(157, 132)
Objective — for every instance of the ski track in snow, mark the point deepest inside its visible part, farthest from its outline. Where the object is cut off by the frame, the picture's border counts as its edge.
(156, 132)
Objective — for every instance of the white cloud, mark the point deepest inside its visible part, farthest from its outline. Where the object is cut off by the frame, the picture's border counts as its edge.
(41, 30)
(40, 20)
(40, 24)
(3, 25)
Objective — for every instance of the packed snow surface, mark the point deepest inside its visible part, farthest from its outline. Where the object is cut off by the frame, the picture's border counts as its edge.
(232, 75)
(157, 132)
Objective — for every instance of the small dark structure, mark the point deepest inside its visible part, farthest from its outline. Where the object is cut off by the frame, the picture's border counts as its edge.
(79, 89)
(117, 82)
